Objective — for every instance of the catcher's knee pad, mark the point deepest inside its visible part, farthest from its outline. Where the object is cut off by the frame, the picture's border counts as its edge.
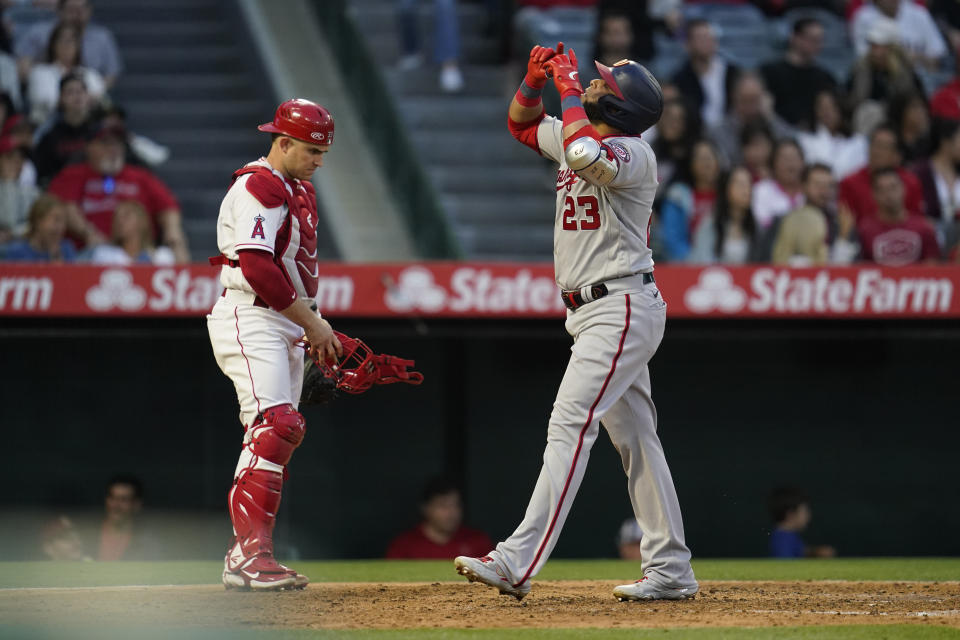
(280, 432)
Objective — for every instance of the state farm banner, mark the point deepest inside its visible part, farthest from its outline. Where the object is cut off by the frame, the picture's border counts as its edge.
(490, 290)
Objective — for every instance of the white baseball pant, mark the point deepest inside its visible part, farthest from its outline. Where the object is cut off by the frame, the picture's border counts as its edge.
(254, 347)
(606, 380)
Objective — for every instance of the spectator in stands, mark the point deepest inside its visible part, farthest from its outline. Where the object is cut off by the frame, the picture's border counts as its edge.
(756, 146)
(801, 239)
(60, 541)
(45, 242)
(6, 108)
(730, 237)
(705, 79)
(790, 511)
(939, 175)
(945, 102)
(98, 45)
(856, 190)
(846, 245)
(122, 536)
(19, 128)
(614, 38)
(782, 192)
(750, 104)
(446, 41)
(884, 71)
(141, 151)
(891, 237)
(62, 58)
(441, 533)
(628, 540)
(66, 139)
(946, 14)
(131, 240)
(642, 17)
(10, 80)
(795, 81)
(832, 143)
(94, 188)
(16, 198)
(909, 114)
(678, 129)
(689, 201)
(916, 32)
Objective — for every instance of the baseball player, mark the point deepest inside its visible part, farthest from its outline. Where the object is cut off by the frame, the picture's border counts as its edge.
(605, 188)
(267, 235)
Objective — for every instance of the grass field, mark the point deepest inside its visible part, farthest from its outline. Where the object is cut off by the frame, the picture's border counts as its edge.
(74, 600)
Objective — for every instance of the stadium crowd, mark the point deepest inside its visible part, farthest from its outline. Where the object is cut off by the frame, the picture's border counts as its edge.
(762, 157)
(75, 183)
(787, 161)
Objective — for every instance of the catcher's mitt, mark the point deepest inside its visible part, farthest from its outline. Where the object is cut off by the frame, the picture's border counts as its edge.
(358, 369)
(318, 388)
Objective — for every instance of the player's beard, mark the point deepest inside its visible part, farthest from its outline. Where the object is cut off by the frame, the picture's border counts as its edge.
(594, 111)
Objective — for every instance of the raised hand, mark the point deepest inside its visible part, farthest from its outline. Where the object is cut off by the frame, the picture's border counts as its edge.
(563, 68)
(536, 77)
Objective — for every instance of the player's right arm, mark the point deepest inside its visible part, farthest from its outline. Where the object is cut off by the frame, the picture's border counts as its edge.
(258, 215)
(269, 282)
(526, 108)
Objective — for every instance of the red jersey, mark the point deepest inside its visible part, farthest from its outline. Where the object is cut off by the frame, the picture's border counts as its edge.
(97, 195)
(945, 103)
(415, 545)
(857, 193)
(895, 244)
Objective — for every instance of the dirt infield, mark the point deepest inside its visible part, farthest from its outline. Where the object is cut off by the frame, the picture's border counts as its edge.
(445, 604)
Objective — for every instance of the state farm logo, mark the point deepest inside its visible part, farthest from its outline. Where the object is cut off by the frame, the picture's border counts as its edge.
(116, 289)
(715, 291)
(471, 289)
(169, 290)
(787, 292)
(415, 289)
(25, 293)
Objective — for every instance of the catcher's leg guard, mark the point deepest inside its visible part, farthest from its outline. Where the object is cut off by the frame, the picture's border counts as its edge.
(254, 500)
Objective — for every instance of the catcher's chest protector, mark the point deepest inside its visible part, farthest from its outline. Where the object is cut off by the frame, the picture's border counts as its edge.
(301, 223)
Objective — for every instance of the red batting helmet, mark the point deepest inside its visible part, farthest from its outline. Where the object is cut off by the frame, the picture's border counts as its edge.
(303, 120)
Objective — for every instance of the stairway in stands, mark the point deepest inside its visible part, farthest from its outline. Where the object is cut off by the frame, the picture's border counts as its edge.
(192, 81)
(498, 195)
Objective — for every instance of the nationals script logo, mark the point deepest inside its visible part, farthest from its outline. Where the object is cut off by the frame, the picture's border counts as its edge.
(566, 179)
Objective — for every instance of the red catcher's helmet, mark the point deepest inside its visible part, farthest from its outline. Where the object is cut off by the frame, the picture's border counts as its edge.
(303, 120)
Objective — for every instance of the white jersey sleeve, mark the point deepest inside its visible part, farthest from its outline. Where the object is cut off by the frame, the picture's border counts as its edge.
(635, 162)
(550, 138)
(246, 223)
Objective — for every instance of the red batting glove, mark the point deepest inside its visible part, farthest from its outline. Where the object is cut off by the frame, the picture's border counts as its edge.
(563, 68)
(536, 77)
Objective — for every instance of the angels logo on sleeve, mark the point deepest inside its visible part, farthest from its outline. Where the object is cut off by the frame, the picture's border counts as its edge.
(258, 228)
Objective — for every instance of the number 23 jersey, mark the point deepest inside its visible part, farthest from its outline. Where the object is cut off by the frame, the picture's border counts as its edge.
(601, 233)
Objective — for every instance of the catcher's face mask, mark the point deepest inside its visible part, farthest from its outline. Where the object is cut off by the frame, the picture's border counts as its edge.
(359, 368)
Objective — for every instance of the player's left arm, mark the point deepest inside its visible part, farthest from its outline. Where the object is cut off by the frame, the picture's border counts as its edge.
(583, 145)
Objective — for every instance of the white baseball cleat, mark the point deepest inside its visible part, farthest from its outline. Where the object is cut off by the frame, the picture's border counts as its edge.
(489, 572)
(646, 589)
(261, 573)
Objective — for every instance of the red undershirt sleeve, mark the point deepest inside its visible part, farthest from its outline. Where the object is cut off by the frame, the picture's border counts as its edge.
(266, 278)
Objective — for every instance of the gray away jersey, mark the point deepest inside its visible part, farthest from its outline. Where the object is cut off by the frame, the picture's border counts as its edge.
(601, 233)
